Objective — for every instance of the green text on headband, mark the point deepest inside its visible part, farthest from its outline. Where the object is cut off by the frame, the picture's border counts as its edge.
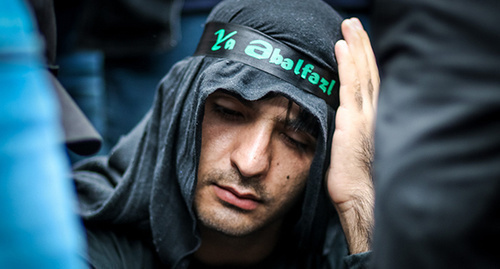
(244, 44)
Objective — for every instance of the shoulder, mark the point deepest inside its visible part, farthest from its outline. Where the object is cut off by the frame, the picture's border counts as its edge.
(113, 248)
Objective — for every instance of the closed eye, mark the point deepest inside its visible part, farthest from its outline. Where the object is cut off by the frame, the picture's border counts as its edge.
(294, 143)
(301, 141)
(227, 113)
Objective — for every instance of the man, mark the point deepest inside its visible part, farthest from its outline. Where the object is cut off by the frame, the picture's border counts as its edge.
(228, 169)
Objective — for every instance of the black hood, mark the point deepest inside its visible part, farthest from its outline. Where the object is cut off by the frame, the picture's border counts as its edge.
(148, 181)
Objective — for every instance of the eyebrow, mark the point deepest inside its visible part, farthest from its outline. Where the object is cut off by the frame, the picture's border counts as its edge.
(227, 94)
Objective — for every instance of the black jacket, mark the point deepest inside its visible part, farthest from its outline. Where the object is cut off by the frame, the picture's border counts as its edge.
(438, 134)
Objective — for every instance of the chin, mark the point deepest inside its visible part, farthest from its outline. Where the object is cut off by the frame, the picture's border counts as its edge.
(228, 222)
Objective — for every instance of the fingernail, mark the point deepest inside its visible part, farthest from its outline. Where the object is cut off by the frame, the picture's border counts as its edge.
(351, 24)
(357, 23)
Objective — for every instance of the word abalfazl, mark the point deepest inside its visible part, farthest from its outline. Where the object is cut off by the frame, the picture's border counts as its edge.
(263, 50)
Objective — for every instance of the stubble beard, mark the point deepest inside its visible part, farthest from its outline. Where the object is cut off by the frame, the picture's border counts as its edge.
(226, 218)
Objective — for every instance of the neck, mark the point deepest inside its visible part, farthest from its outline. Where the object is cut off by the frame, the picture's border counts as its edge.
(220, 249)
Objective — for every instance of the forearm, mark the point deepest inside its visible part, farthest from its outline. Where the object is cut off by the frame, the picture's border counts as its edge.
(355, 209)
(356, 217)
(356, 213)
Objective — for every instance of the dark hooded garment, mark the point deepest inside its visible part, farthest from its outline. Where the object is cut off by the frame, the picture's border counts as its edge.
(137, 202)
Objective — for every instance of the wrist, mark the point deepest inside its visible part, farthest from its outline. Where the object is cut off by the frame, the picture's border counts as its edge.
(356, 218)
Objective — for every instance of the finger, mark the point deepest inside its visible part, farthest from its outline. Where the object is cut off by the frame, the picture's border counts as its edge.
(370, 56)
(353, 34)
(350, 92)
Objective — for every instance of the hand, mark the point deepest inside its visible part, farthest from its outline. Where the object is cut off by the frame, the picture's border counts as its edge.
(349, 176)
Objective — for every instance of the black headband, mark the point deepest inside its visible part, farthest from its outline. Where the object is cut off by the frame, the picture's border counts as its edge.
(254, 48)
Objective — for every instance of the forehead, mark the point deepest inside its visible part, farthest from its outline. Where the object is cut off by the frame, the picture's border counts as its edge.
(269, 103)
(253, 84)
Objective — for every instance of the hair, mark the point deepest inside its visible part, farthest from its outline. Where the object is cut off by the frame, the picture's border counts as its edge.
(305, 121)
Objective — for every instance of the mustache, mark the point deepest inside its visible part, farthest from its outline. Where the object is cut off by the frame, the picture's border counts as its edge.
(233, 178)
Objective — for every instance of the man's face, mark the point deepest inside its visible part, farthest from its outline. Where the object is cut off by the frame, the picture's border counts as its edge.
(254, 163)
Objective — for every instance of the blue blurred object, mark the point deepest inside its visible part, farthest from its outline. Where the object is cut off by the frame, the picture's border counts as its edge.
(39, 228)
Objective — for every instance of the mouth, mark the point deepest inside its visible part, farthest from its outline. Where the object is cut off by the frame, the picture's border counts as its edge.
(243, 200)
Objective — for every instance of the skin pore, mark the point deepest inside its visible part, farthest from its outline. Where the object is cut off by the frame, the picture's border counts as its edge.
(253, 168)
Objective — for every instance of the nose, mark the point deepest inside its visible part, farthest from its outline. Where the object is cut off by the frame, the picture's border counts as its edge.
(252, 153)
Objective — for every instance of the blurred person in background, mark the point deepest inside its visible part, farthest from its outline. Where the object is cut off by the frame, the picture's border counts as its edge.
(39, 227)
(437, 161)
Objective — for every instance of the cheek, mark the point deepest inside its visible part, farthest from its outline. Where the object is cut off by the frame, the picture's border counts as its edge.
(291, 170)
(216, 136)
(288, 195)
(208, 137)
(214, 144)
(290, 181)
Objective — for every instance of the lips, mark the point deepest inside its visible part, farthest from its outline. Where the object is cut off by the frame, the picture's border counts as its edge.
(245, 201)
